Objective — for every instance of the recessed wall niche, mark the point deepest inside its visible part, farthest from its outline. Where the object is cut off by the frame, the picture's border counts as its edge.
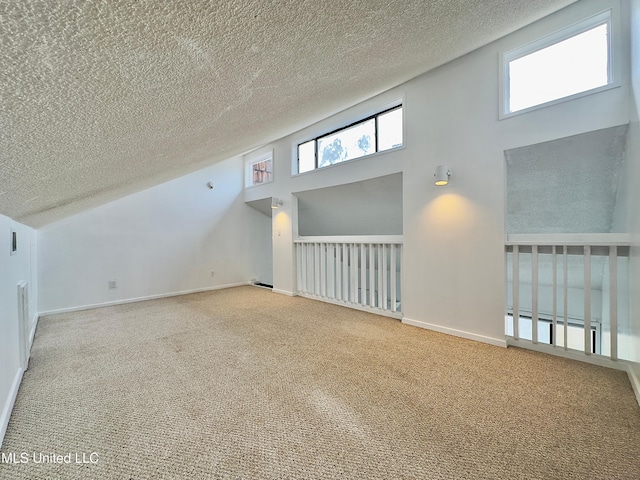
(569, 185)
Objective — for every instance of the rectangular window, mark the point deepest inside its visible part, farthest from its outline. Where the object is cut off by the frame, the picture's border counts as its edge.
(571, 62)
(390, 130)
(260, 171)
(377, 133)
(306, 156)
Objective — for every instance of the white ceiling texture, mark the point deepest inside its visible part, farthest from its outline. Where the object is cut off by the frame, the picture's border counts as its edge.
(102, 98)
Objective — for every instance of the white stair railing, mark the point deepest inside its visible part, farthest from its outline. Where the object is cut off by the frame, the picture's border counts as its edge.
(360, 272)
(574, 284)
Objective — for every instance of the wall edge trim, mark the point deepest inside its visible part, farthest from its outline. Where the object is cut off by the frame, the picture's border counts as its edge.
(34, 323)
(283, 292)
(353, 306)
(634, 379)
(9, 403)
(456, 333)
(570, 354)
(140, 299)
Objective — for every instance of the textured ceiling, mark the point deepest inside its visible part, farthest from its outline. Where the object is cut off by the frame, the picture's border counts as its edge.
(103, 98)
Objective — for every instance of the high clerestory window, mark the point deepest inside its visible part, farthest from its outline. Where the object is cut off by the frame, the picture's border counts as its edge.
(377, 133)
(572, 62)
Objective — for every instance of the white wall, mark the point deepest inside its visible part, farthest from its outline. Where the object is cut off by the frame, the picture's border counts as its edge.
(633, 180)
(368, 207)
(13, 270)
(163, 240)
(453, 277)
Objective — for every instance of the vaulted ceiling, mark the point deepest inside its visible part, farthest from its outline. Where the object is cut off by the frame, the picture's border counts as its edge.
(101, 98)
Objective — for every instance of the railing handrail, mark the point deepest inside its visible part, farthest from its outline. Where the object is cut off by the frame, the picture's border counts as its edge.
(570, 239)
(373, 239)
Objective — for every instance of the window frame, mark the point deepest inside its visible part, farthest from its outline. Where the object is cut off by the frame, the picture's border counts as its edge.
(344, 128)
(249, 169)
(570, 31)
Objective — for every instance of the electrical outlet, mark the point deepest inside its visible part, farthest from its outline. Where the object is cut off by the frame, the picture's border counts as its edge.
(112, 284)
(213, 273)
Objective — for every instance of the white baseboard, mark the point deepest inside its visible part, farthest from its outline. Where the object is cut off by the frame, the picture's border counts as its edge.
(283, 292)
(457, 333)
(570, 354)
(8, 406)
(634, 379)
(354, 306)
(140, 299)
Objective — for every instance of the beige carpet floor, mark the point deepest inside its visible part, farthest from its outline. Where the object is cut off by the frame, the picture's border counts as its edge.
(247, 384)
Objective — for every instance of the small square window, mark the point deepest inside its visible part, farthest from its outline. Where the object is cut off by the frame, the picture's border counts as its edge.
(260, 171)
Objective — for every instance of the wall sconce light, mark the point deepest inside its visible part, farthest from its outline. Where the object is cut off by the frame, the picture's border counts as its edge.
(276, 202)
(442, 175)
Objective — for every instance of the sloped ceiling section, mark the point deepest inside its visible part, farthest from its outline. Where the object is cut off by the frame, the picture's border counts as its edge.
(568, 185)
(102, 98)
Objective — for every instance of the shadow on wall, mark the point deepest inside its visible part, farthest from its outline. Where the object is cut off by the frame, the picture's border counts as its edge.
(369, 207)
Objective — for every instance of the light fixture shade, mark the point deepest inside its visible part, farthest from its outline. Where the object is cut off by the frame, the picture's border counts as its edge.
(442, 175)
(275, 202)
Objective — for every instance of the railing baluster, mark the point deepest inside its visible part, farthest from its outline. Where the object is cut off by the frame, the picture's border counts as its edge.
(316, 269)
(554, 281)
(323, 269)
(305, 272)
(339, 267)
(516, 292)
(587, 300)
(331, 270)
(392, 270)
(385, 278)
(380, 266)
(373, 251)
(363, 274)
(303, 267)
(534, 294)
(613, 300)
(565, 287)
(310, 248)
(354, 272)
(399, 279)
(345, 272)
(298, 267)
